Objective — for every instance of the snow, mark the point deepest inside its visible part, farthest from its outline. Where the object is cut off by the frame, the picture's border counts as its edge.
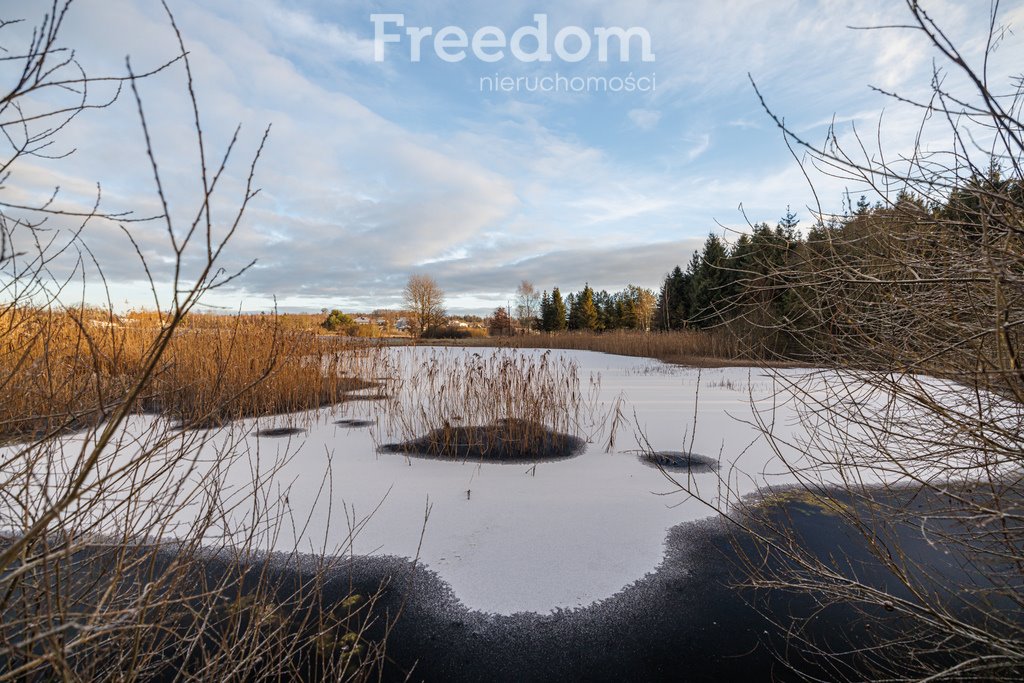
(511, 538)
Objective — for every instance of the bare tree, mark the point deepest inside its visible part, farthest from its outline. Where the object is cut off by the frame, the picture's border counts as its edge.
(527, 305)
(425, 300)
(929, 284)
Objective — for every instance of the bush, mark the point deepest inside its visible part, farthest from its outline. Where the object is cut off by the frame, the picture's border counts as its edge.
(339, 322)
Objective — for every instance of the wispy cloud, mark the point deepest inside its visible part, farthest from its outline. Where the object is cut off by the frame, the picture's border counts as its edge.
(645, 119)
(699, 146)
(310, 33)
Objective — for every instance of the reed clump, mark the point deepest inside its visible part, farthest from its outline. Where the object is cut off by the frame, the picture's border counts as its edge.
(502, 405)
(143, 612)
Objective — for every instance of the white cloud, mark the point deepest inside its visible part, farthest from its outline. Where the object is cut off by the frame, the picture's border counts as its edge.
(311, 33)
(700, 145)
(373, 172)
(744, 123)
(645, 119)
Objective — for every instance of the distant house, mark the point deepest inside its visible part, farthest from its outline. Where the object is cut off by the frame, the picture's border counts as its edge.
(363, 320)
(402, 324)
(381, 322)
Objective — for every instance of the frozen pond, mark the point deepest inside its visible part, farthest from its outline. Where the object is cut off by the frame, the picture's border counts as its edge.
(519, 537)
(513, 537)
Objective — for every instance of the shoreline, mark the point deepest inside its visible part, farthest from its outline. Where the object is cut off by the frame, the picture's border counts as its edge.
(691, 617)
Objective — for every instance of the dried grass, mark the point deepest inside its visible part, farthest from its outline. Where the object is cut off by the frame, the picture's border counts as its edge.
(67, 369)
(688, 347)
(501, 405)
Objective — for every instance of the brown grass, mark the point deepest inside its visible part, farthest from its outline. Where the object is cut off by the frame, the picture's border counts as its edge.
(65, 369)
(690, 347)
(100, 593)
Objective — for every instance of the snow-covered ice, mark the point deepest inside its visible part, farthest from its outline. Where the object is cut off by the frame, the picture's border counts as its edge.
(514, 537)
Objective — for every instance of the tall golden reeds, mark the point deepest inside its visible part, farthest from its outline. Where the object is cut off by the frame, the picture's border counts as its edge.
(65, 369)
(498, 404)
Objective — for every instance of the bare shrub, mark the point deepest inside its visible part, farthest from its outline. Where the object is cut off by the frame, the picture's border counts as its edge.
(124, 553)
(925, 475)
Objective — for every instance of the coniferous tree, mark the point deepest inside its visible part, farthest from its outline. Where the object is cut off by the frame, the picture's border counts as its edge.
(558, 311)
(741, 267)
(582, 312)
(674, 301)
(500, 323)
(863, 206)
(788, 224)
(546, 313)
(620, 314)
(708, 285)
(604, 304)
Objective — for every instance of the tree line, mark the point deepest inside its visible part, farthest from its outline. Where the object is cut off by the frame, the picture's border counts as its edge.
(721, 277)
(763, 287)
(587, 310)
(870, 286)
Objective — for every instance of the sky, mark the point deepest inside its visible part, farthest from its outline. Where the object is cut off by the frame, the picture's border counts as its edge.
(379, 166)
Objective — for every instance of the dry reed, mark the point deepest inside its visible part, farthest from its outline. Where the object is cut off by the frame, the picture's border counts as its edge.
(688, 347)
(103, 593)
(61, 370)
(126, 553)
(500, 405)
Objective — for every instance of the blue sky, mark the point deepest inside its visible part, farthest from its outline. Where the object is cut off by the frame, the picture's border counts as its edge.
(378, 170)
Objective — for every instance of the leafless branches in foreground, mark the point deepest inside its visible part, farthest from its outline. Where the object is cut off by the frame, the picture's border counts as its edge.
(921, 298)
(124, 553)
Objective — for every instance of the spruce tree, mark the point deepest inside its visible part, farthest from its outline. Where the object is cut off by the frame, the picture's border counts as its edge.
(788, 224)
(604, 304)
(707, 288)
(583, 313)
(558, 313)
(500, 323)
(742, 267)
(673, 310)
(546, 314)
